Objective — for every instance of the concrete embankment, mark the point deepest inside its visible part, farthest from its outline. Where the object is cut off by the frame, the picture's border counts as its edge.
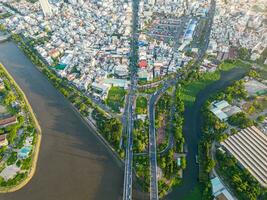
(4, 38)
(36, 147)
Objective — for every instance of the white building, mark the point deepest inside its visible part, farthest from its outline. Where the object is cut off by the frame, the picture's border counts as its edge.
(219, 191)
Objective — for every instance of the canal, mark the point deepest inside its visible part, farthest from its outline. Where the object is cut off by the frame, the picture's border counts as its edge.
(192, 131)
(73, 163)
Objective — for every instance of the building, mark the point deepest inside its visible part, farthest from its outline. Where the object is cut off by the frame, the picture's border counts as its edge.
(223, 110)
(189, 33)
(3, 140)
(144, 75)
(2, 86)
(219, 191)
(46, 7)
(249, 147)
(152, 2)
(100, 90)
(142, 64)
(255, 88)
(117, 82)
(9, 172)
(8, 121)
(121, 70)
(73, 2)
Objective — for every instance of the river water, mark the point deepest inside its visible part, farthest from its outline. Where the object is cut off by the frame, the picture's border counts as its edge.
(73, 164)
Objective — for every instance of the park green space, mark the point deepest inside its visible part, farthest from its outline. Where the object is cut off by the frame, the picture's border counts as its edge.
(169, 166)
(115, 99)
(140, 135)
(141, 105)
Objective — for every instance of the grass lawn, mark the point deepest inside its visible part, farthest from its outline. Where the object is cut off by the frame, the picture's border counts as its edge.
(116, 98)
(226, 66)
(190, 90)
(141, 105)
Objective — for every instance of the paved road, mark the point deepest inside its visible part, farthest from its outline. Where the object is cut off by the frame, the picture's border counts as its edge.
(153, 140)
(255, 116)
(153, 150)
(128, 115)
(153, 99)
(128, 175)
(207, 30)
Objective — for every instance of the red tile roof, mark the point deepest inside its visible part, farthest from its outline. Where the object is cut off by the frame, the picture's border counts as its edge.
(142, 64)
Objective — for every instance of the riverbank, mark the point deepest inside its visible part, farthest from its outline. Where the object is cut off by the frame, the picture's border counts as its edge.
(73, 163)
(91, 124)
(38, 139)
(80, 101)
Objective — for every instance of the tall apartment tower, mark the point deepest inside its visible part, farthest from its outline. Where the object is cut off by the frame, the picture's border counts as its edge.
(46, 7)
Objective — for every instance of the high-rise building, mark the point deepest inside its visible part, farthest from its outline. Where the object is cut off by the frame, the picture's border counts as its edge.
(46, 7)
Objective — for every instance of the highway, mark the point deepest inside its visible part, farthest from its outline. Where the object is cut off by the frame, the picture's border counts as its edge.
(127, 189)
(129, 112)
(153, 150)
(128, 116)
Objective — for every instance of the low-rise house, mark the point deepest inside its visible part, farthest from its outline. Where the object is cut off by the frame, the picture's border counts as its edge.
(3, 140)
(219, 191)
(223, 110)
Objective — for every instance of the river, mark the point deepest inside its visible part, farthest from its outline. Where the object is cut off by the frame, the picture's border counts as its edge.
(73, 163)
